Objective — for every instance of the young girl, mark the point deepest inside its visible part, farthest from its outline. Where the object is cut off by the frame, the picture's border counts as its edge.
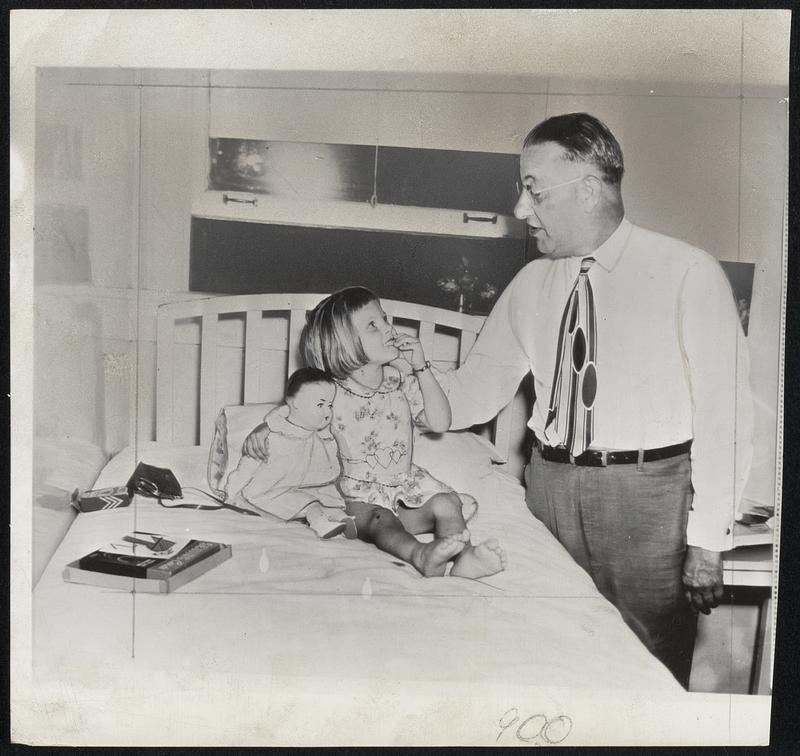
(385, 385)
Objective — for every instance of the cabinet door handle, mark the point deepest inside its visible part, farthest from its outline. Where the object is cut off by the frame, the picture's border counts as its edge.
(226, 199)
(479, 218)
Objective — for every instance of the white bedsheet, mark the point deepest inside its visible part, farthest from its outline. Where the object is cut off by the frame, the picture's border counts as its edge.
(289, 605)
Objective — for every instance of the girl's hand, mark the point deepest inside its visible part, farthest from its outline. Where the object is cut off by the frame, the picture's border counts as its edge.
(256, 444)
(410, 350)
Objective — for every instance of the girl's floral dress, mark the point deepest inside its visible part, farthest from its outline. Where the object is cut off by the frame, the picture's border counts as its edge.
(374, 430)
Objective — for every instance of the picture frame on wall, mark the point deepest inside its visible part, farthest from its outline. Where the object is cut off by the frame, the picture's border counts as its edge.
(740, 276)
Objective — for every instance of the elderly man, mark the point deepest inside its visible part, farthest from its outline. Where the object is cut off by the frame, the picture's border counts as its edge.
(643, 416)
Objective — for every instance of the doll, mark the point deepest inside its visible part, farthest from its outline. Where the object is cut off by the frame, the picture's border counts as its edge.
(296, 480)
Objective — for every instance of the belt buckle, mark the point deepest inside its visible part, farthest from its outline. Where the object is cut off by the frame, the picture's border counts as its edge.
(603, 458)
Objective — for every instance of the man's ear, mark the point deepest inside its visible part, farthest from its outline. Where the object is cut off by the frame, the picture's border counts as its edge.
(593, 191)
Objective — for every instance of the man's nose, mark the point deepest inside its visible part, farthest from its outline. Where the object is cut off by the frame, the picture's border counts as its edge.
(524, 207)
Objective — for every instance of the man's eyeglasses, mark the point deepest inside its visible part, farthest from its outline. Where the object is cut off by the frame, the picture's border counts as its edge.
(536, 195)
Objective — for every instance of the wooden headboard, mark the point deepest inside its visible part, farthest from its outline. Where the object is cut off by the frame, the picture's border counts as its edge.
(240, 350)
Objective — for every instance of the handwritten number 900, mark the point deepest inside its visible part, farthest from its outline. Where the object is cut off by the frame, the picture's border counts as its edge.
(550, 731)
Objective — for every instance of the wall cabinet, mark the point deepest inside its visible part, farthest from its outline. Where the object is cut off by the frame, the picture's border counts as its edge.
(408, 176)
(297, 182)
(399, 220)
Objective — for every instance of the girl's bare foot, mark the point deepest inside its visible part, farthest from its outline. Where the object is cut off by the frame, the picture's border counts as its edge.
(479, 561)
(431, 558)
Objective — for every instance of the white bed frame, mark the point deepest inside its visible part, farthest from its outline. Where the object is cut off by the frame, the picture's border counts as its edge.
(239, 333)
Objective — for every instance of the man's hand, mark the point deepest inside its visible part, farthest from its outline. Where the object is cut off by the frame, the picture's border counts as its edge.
(256, 445)
(702, 578)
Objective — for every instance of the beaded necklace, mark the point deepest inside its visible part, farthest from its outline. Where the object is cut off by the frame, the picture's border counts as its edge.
(376, 390)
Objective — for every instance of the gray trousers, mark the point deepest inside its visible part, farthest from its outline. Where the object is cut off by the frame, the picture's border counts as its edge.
(626, 526)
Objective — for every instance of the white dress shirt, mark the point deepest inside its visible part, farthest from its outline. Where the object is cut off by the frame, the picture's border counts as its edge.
(672, 362)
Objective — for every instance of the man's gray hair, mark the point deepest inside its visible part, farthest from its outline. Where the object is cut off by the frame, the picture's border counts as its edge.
(584, 138)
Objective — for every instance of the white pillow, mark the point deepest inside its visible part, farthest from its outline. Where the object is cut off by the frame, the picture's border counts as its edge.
(457, 458)
(188, 463)
(60, 465)
(232, 427)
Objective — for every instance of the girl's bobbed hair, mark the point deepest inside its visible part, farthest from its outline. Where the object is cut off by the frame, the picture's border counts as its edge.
(329, 341)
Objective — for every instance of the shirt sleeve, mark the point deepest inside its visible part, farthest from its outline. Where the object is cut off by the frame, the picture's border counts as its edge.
(494, 367)
(717, 370)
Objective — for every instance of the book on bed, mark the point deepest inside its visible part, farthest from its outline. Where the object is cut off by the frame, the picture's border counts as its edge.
(147, 563)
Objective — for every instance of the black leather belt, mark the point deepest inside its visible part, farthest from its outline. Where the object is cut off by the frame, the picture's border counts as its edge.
(601, 458)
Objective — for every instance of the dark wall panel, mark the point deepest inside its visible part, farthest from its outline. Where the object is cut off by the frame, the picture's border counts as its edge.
(236, 257)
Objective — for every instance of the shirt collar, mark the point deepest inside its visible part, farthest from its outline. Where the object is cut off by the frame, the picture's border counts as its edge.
(609, 252)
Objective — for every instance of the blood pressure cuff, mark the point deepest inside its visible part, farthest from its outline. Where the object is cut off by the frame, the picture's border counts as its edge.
(155, 482)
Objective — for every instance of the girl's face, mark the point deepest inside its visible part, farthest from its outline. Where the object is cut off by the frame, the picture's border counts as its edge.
(376, 333)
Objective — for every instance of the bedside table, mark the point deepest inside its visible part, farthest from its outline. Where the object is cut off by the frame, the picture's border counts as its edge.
(751, 566)
(748, 565)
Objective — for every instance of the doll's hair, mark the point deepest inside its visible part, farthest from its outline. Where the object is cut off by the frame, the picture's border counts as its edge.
(303, 377)
(329, 341)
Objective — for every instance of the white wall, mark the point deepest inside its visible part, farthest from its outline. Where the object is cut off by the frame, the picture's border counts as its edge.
(87, 162)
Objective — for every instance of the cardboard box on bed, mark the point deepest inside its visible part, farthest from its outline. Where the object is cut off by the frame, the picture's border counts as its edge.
(101, 498)
(160, 567)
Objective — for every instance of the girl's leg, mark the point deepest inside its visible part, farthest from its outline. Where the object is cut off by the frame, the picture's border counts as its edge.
(381, 527)
(442, 514)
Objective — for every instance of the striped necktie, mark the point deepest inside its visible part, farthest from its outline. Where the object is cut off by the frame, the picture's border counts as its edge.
(570, 420)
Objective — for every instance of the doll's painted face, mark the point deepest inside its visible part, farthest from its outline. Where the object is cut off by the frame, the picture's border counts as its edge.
(312, 406)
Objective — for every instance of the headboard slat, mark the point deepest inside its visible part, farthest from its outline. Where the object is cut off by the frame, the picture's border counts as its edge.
(465, 344)
(165, 355)
(427, 333)
(252, 355)
(297, 319)
(502, 429)
(208, 376)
